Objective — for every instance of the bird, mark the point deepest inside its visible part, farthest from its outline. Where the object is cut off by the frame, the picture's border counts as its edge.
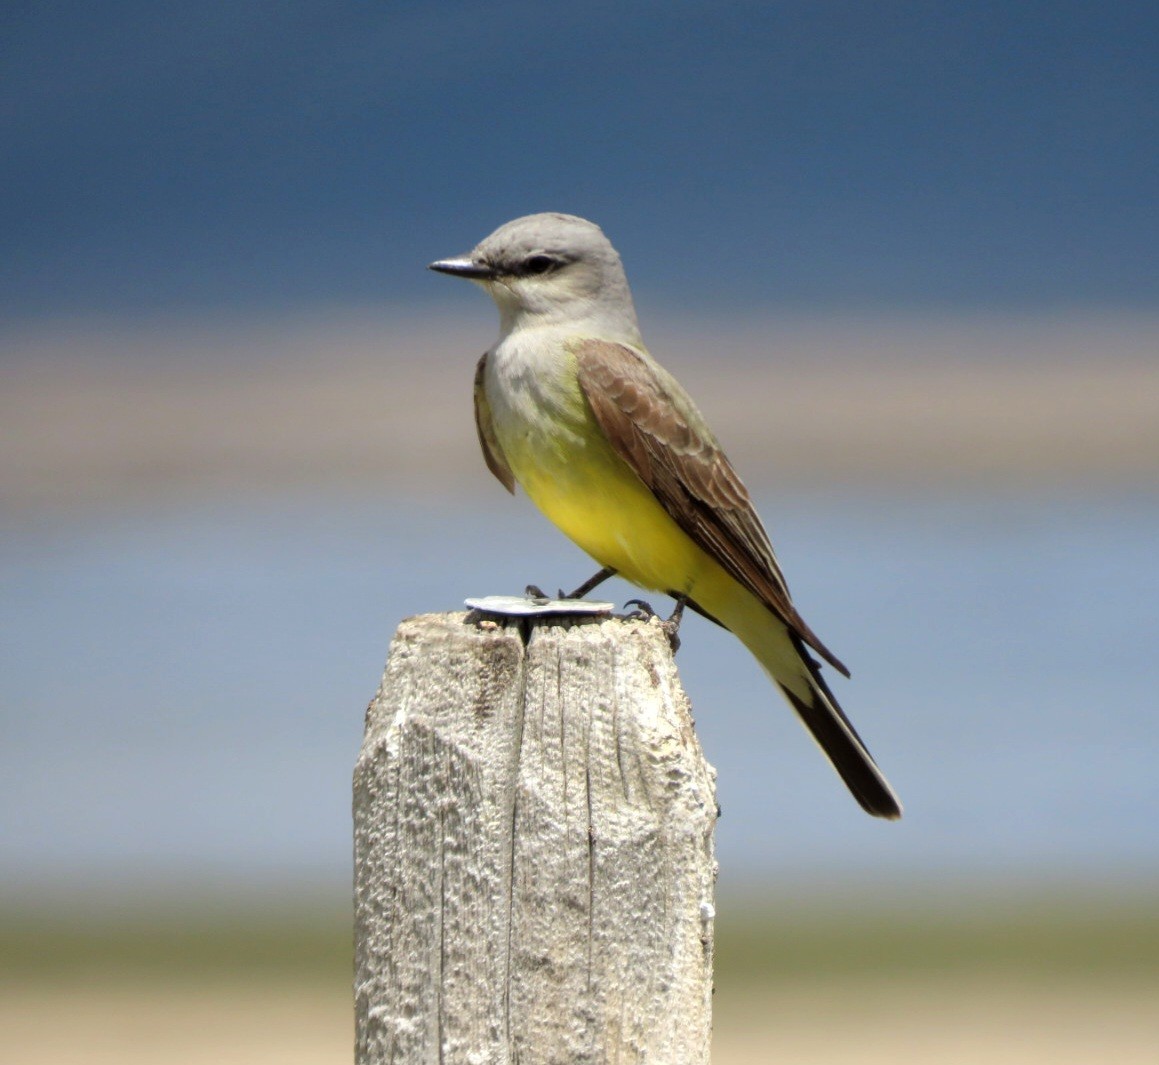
(571, 406)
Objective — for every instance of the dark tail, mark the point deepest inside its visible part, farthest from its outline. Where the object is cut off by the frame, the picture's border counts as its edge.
(834, 732)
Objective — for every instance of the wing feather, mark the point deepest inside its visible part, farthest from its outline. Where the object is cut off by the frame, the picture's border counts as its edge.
(488, 441)
(655, 427)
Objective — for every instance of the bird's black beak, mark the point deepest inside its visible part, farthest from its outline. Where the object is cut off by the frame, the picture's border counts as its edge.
(463, 267)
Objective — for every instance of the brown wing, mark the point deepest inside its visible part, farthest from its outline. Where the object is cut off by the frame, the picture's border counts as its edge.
(655, 427)
(488, 441)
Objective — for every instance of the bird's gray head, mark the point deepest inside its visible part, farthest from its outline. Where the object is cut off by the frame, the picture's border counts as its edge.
(551, 269)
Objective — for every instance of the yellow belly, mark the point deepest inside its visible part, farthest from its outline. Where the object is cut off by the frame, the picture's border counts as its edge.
(567, 467)
(561, 458)
(596, 500)
(592, 495)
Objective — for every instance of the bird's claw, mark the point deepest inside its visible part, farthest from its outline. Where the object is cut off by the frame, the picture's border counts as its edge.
(642, 612)
(671, 625)
(533, 591)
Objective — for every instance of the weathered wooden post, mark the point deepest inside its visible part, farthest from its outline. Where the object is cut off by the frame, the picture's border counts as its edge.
(533, 849)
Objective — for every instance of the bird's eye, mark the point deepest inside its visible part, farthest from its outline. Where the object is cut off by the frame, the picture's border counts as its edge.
(538, 264)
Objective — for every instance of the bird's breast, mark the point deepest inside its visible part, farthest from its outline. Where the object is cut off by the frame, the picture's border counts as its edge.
(561, 457)
(537, 406)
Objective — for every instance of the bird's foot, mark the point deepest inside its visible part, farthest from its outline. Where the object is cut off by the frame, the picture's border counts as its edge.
(533, 591)
(671, 626)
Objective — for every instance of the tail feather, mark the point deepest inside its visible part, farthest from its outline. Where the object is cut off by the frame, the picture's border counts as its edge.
(835, 734)
(786, 659)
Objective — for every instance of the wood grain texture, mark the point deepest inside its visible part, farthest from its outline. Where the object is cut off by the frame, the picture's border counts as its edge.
(533, 850)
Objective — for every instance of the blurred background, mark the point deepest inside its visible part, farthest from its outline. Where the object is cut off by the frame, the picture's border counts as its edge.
(902, 254)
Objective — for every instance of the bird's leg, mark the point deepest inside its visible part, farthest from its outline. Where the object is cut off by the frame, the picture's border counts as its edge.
(533, 591)
(671, 627)
(590, 583)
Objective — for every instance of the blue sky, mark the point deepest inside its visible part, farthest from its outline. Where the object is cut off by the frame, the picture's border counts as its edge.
(158, 155)
(217, 159)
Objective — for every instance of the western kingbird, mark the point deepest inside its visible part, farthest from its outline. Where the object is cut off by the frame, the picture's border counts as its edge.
(570, 405)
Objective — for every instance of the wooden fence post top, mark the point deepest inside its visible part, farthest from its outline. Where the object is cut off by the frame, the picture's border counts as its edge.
(533, 836)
